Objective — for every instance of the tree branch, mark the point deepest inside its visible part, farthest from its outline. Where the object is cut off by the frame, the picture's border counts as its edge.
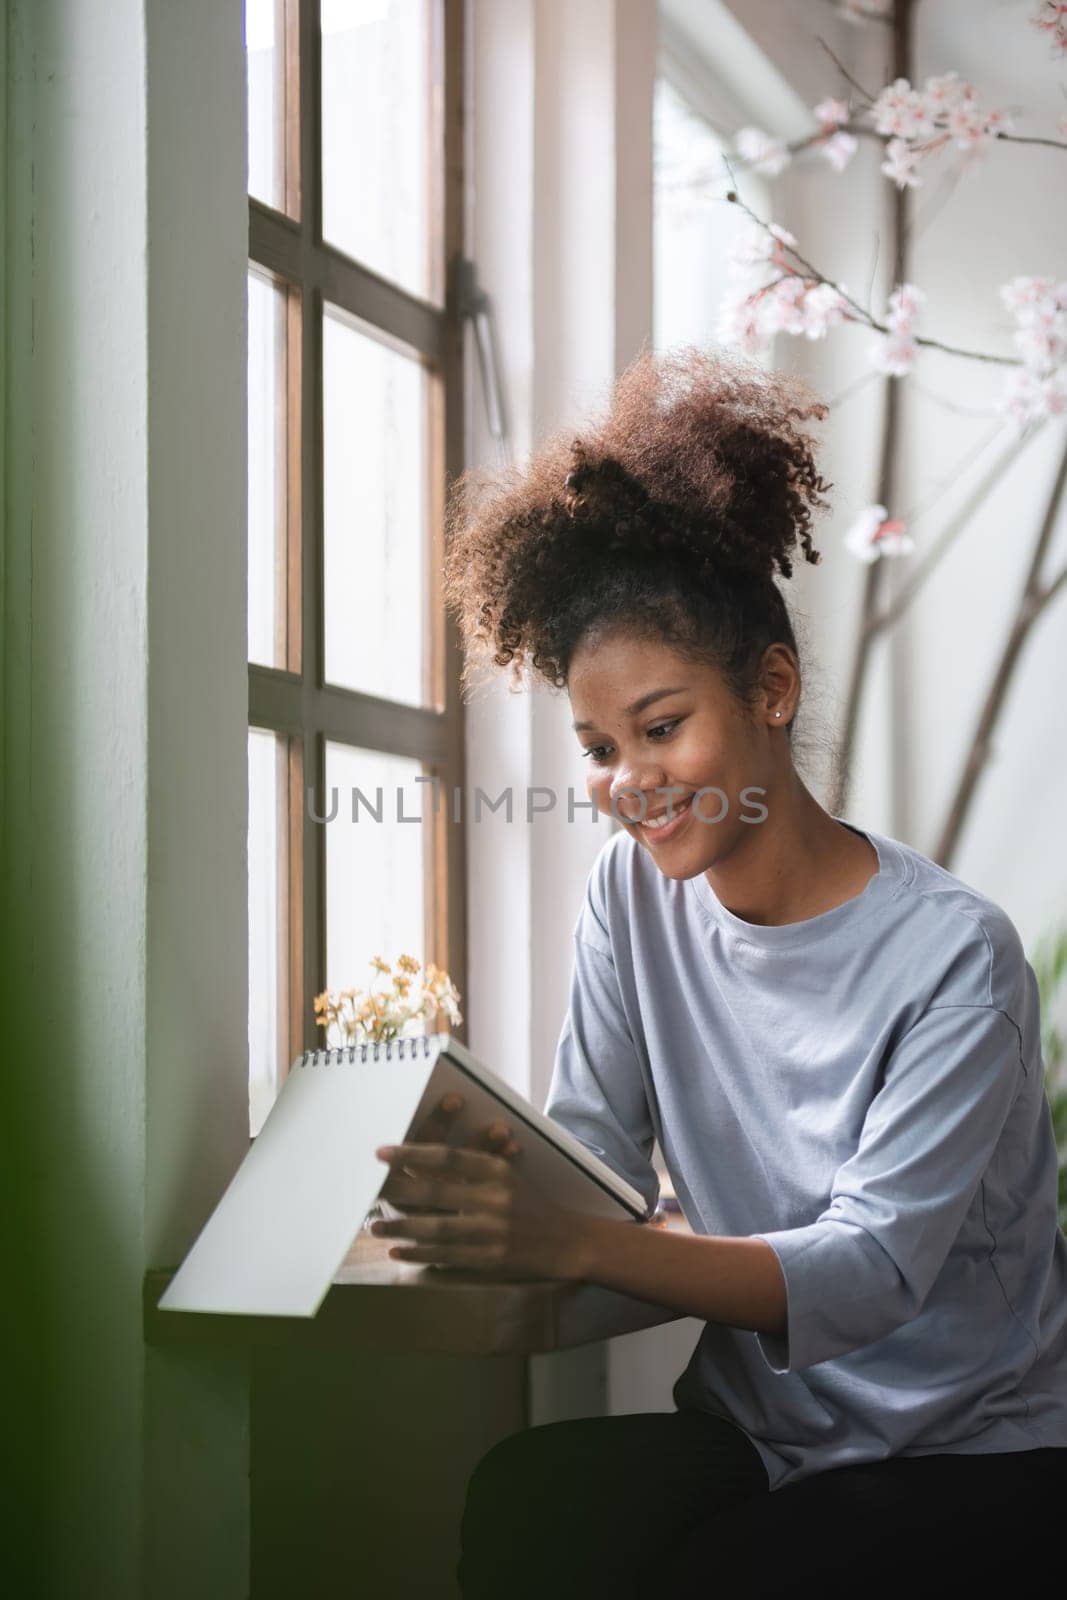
(903, 17)
(1032, 601)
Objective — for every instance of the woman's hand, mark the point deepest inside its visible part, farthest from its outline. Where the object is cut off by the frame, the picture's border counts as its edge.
(488, 1220)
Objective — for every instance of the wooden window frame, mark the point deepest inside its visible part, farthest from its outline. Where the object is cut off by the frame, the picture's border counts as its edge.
(297, 703)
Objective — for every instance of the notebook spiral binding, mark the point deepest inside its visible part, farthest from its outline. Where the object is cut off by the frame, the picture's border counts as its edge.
(408, 1048)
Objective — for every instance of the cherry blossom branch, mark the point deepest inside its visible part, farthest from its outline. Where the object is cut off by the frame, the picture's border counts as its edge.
(1033, 600)
(843, 70)
(863, 314)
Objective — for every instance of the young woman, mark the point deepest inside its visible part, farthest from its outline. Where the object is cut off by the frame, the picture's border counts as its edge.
(835, 1042)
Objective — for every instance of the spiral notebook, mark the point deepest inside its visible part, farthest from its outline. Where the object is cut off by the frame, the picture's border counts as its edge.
(287, 1220)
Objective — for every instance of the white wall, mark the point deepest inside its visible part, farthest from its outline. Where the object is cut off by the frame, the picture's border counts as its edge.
(126, 702)
(996, 224)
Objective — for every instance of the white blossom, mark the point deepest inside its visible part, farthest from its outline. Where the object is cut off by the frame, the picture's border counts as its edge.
(900, 164)
(902, 112)
(757, 245)
(966, 124)
(839, 149)
(904, 305)
(765, 154)
(1037, 389)
(831, 113)
(1051, 18)
(873, 535)
(1027, 396)
(894, 353)
(741, 324)
(783, 306)
(944, 92)
(825, 307)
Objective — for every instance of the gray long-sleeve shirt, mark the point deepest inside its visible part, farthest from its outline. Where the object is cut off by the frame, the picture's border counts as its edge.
(865, 1091)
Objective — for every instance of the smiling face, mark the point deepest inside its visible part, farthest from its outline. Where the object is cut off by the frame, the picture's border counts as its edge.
(646, 753)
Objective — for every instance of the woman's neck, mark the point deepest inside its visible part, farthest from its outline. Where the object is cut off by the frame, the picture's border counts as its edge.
(795, 865)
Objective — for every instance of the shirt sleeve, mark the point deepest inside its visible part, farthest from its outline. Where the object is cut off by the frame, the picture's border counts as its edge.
(597, 1090)
(866, 1265)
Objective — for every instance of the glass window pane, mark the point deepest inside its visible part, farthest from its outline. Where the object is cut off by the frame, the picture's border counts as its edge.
(375, 467)
(382, 139)
(268, 998)
(267, 474)
(374, 869)
(694, 228)
(265, 79)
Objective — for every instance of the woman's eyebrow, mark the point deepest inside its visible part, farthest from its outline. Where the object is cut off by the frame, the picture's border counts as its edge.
(638, 705)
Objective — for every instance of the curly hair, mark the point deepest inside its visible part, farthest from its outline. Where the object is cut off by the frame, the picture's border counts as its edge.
(669, 516)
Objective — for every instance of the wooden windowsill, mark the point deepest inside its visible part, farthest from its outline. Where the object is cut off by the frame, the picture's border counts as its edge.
(378, 1305)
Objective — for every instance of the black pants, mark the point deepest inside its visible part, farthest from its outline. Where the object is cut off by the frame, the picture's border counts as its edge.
(677, 1503)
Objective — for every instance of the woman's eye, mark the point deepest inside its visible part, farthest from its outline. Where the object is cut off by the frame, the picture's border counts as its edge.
(598, 751)
(664, 727)
(595, 750)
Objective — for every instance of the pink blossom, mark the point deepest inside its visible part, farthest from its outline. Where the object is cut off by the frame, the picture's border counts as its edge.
(1039, 388)
(873, 534)
(1027, 397)
(1021, 294)
(894, 353)
(902, 112)
(944, 92)
(766, 154)
(741, 324)
(757, 246)
(999, 122)
(824, 308)
(839, 149)
(831, 113)
(783, 306)
(900, 164)
(904, 305)
(966, 124)
(1051, 18)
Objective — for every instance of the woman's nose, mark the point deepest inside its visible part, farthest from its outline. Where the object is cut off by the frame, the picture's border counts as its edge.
(635, 780)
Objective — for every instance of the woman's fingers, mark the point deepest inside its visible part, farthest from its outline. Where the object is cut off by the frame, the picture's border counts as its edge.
(416, 1192)
(472, 1228)
(498, 1137)
(435, 1129)
(451, 1162)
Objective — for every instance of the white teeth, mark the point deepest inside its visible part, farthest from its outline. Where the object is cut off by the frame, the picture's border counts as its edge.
(660, 822)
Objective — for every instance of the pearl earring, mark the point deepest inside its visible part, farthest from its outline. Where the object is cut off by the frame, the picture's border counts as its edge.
(777, 713)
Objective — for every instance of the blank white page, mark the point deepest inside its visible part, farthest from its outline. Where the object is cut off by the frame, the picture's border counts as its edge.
(297, 1201)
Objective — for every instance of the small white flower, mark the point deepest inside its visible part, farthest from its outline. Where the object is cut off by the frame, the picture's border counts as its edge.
(999, 122)
(839, 149)
(783, 306)
(756, 246)
(905, 303)
(944, 92)
(824, 308)
(873, 535)
(1027, 397)
(766, 154)
(900, 164)
(741, 324)
(902, 112)
(893, 353)
(966, 124)
(831, 113)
